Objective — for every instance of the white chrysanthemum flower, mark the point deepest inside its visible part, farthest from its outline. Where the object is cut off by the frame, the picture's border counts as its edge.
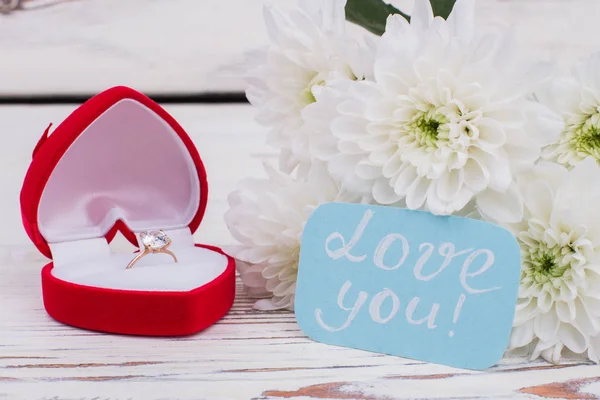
(309, 49)
(267, 217)
(577, 99)
(559, 296)
(445, 121)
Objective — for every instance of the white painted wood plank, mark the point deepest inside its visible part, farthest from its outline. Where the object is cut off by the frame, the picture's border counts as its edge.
(156, 46)
(84, 46)
(249, 354)
(246, 355)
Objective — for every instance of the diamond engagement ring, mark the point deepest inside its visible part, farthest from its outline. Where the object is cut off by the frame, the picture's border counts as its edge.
(154, 242)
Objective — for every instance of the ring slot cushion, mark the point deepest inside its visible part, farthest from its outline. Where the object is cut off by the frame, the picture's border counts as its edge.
(120, 162)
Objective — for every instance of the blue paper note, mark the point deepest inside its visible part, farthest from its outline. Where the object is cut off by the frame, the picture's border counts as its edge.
(434, 288)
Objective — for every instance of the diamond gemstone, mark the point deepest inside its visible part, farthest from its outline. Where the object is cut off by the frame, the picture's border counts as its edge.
(155, 240)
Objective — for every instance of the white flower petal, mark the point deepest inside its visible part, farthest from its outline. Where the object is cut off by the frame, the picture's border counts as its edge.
(282, 288)
(310, 57)
(268, 305)
(267, 216)
(450, 184)
(545, 301)
(461, 19)
(422, 15)
(329, 14)
(393, 165)
(491, 134)
(253, 279)
(367, 170)
(546, 326)
(589, 324)
(526, 309)
(521, 335)
(564, 312)
(572, 338)
(348, 127)
(395, 25)
(383, 193)
(553, 354)
(404, 180)
(576, 98)
(417, 193)
(475, 175)
(275, 21)
(541, 347)
(592, 305)
(500, 173)
(439, 113)
(539, 200)
(523, 153)
(504, 207)
(594, 349)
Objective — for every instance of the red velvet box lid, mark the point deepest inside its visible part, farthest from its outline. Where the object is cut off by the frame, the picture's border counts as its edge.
(141, 312)
(51, 148)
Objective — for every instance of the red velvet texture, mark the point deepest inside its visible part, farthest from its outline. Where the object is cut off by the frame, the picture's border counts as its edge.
(50, 149)
(139, 312)
(120, 311)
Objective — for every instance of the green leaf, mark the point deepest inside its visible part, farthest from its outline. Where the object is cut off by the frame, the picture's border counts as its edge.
(371, 14)
(442, 8)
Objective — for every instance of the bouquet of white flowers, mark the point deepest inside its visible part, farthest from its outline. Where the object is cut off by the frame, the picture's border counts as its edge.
(428, 112)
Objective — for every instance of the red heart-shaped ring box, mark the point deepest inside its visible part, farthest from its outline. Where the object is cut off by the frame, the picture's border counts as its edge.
(119, 162)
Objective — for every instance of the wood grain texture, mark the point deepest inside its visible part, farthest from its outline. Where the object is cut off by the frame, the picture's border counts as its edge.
(564, 390)
(248, 354)
(182, 46)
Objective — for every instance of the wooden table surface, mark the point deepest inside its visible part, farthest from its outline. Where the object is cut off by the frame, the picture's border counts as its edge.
(188, 46)
(248, 354)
